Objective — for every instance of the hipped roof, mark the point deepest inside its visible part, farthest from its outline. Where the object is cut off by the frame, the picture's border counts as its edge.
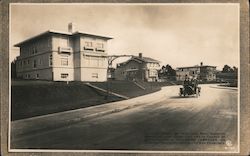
(141, 59)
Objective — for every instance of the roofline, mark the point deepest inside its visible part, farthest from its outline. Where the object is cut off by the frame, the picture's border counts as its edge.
(41, 34)
(125, 62)
(153, 61)
(87, 34)
(195, 66)
(131, 59)
(62, 33)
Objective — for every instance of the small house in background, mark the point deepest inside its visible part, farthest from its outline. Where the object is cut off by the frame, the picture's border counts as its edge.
(138, 68)
(111, 73)
(201, 72)
(63, 56)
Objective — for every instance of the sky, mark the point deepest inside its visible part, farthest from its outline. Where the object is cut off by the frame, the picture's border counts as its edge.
(175, 34)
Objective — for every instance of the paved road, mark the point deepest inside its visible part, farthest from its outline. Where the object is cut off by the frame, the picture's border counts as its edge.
(163, 121)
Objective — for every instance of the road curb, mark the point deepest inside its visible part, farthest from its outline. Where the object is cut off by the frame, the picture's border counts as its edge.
(72, 121)
(23, 129)
(221, 87)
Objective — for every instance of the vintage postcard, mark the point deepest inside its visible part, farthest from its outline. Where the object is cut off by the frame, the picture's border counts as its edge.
(125, 78)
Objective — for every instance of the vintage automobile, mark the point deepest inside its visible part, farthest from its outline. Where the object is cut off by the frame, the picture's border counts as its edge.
(190, 89)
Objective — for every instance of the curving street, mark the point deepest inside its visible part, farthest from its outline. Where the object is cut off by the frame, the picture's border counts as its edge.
(161, 121)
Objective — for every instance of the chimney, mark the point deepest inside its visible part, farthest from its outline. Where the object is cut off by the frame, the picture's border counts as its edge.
(71, 27)
(140, 55)
(201, 63)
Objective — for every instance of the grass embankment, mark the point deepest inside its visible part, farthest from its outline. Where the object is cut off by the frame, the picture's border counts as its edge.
(34, 98)
(40, 98)
(128, 88)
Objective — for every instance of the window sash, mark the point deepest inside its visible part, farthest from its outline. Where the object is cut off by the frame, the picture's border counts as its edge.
(64, 61)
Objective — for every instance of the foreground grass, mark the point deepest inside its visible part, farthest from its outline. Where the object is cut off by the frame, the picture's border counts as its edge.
(34, 98)
(44, 98)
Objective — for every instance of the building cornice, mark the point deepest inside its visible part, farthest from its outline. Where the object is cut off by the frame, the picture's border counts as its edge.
(49, 32)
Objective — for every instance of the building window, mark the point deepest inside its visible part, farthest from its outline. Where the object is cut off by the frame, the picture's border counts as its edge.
(100, 47)
(88, 44)
(94, 75)
(37, 76)
(64, 75)
(64, 62)
(28, 61)
(34, 50)
(152, 73)
(34, 64)
(40, 61)
(50, 60)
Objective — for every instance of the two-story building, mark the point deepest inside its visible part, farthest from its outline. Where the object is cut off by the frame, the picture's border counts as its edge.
(138, 68)
(63, 56)
(201, 72)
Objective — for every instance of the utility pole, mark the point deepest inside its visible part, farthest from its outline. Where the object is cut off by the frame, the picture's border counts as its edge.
(111, 58)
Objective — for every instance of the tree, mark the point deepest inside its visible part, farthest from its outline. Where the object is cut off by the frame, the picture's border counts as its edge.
(235, 69)
(227, 69)
(170, 71)
(167, 72)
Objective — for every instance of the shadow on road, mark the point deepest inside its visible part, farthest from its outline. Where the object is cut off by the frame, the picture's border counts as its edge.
(181, 97)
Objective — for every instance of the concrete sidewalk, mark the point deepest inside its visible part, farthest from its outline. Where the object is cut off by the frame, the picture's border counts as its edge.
(40, 124)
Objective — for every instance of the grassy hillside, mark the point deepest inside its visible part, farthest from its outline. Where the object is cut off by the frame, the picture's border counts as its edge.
(126, 88)
(34, 98)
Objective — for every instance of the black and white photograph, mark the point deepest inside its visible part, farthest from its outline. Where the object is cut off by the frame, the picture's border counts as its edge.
(124, 77)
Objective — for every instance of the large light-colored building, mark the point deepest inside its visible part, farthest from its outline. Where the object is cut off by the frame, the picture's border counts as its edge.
(201, 72)
(63, 56)
(138, 68)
